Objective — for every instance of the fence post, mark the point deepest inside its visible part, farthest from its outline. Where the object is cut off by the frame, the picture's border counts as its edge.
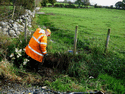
(13, 11)
(107, 40)
(25, 35)
(75, 40)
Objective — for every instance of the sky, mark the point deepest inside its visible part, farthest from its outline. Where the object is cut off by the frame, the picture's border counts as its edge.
(100, 2)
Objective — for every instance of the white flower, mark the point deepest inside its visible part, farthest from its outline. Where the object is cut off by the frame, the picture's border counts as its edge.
(16, 49)
(26, 60)
(91, 77)
(21, 41)
(11, 55)
(18, 56)
(13, 58)
(24, 63)
(20, 50)
(24, 49)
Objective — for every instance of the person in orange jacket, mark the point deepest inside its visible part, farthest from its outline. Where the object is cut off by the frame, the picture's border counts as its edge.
(36, 49)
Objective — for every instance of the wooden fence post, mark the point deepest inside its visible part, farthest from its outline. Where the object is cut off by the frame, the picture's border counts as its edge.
(107, 40)
(13, 11)
(25, 35)
(75, 40)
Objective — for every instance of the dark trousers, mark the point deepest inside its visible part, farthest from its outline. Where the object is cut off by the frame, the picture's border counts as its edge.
(32, 64)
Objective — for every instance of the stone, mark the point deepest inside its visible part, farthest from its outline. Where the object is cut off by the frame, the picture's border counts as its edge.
(13, 28)
(5, 29)
(17, 32)
(30, 26)
(11, 21)
(11, 33)
(20, 20)
(3, 24)
(37, 8)
(1, 29)
(17, 20)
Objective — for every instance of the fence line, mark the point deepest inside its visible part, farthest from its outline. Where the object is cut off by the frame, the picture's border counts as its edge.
(63, 25)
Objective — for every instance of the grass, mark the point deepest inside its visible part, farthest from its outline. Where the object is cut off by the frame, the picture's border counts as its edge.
(91, 69)
(93, 25)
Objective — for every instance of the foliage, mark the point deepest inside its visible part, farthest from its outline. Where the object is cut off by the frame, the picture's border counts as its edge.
(123, 1)
(117, 86)
(86, 2)
(52, 1)
(118, 4)
(91, 69)
(4, 43)
(38, 3)
(44, 2)
(28, 4)
(79, 2)
(90, 43)
(65, 1)
(4, 2)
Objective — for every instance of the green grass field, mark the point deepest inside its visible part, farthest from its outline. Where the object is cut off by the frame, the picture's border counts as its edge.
(91, 69)
(93, 25)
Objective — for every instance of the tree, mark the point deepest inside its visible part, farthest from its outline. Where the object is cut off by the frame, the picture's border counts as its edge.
(65, 1)
(83, 2)
(70, 3)
(123, 4)
(86, 2)
(78, 2)
(123, 1)
(52, 2)
(119, 5)
(44, 2)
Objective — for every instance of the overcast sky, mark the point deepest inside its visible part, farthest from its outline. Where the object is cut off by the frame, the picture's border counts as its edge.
(101, 2)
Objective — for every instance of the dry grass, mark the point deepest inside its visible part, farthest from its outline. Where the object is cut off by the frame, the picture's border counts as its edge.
(7, 72)
(11, 74)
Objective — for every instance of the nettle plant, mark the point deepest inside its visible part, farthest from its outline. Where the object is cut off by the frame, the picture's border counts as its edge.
(18, 57)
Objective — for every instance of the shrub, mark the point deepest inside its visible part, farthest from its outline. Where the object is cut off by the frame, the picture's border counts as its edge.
(56, 5)
(49, 5)
(61, 5)
(70, 6)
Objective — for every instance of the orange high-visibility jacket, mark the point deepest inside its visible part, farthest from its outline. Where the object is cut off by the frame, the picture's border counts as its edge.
(36, 48)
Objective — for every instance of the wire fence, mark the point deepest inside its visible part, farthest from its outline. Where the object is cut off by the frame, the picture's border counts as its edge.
(97, 38)
(113, 42)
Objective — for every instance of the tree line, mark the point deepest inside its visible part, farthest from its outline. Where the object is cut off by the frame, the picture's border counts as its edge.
(120, 4)
(79, 2)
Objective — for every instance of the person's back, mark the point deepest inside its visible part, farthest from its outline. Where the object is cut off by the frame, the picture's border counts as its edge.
(36, 49)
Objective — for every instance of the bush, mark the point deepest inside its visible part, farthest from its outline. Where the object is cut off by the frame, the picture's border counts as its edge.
(49, 5)
(56, 5)
(61, 5)
(70, 6)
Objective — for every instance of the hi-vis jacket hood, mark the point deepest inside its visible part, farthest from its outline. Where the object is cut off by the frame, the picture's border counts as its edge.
(37, 45)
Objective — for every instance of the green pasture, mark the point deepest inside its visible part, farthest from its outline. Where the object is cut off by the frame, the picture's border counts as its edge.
(93, 25)
(91, 69)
